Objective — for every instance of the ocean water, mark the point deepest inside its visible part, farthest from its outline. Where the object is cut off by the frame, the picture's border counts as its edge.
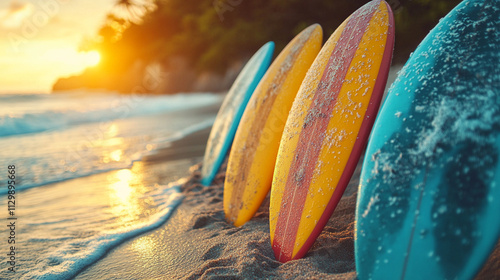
(81, 187)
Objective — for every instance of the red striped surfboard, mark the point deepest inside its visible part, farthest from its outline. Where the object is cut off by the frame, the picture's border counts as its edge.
(328, 128)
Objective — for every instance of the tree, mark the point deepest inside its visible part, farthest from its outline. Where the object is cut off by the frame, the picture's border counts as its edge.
(134, 10)
(149, 31)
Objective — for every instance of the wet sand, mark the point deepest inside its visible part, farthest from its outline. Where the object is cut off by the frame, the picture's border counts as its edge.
(197, 242)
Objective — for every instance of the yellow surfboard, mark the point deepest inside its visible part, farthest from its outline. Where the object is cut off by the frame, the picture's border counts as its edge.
(328, 128)
(253, 154)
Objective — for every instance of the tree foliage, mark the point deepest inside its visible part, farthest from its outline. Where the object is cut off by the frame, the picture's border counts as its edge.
(212, 34)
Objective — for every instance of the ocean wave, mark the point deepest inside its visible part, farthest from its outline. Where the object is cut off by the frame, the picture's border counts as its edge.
(68, 260)
(34, 114)
(82, 172)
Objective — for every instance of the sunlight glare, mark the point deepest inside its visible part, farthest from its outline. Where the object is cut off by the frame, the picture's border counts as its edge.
(93, 58)
(145, 246)
(116, 155)
(71, 58)
(126, 193)
(123, 191)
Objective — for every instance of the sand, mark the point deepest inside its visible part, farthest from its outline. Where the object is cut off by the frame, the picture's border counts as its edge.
(197, 243)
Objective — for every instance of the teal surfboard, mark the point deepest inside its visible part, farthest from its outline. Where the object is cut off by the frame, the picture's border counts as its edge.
(429, 196)
(232, 108)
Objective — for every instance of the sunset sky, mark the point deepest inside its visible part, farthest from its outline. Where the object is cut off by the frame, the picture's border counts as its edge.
(39, 41)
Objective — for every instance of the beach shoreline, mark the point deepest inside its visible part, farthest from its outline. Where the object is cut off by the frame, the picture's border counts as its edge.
(197, 243)
(89, 183)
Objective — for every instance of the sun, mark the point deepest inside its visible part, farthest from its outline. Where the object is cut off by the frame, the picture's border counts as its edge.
(92, 58)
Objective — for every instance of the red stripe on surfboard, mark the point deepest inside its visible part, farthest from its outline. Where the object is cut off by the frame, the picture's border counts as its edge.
(364, 133)
(310, 142)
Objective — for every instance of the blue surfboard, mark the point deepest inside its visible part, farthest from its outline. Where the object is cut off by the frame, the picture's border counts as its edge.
(429, 196)
(232, 108)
